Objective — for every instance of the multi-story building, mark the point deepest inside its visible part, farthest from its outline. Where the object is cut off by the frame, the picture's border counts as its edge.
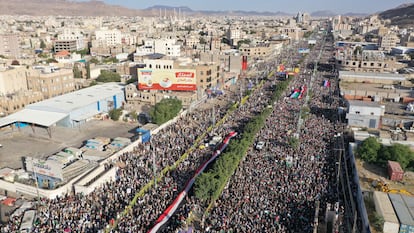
(234, 34)
(256, 51)
(348, 58)
(14, 102)
(208, 75)
(108, 37)
(294, 33)
(167, 47)
(12, 79)
(388, 41)
(70, 40)
(9, 45)
(66, 45)
(51, 82)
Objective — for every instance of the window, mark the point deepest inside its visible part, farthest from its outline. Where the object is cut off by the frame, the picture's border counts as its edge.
(357, 112)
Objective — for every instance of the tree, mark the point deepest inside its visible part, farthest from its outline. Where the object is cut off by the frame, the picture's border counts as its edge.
(205, 186)
(165, 110)
(108, 76)
(88, 70)
(76, 72)
(94, 60)
(368, 150)
(114, 114)
(396, 152)
(132, 80)
(42, 44)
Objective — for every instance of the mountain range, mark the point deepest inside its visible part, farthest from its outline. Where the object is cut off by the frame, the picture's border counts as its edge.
(99, 8)
(403, 15)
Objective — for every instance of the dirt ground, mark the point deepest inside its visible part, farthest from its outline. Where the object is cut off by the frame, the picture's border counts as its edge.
(369, 172)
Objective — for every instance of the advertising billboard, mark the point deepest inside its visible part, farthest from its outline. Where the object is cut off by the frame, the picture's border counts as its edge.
(44, 167)
(174, 79)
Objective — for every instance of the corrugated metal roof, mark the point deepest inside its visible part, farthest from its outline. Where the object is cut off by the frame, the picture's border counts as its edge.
(50, 111)
(384, 207)
(77, 99)
(33, 117)
(400, 207)
(409, 202)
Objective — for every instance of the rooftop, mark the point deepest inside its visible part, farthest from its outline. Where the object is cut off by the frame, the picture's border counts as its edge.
(74, 100)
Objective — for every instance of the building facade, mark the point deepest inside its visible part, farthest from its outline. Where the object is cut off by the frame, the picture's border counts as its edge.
(365, 114)
(10, 45)
(51, 82)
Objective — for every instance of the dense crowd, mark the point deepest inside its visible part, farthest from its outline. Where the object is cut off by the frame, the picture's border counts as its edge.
(274, 189)
(93, 213)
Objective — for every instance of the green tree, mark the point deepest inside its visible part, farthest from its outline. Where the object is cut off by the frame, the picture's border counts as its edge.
(396, 152)
(132, 80)
(368, 150)
(108, 76)
(88, 70)
(94, 60)
(165, 110)
(205, 186)
(110, 60)
(76, 72)
(83, 52)
(114, 114)
(133, 115)
(42, 44)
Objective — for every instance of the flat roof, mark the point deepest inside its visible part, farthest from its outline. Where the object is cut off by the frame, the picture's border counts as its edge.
(33, 116)
(385, 207)
(371, 75)
(401, 208)
(48, 112)
(361, 103)
(77, 99)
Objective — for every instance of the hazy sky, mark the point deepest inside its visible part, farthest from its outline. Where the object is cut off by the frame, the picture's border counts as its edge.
(292, 6)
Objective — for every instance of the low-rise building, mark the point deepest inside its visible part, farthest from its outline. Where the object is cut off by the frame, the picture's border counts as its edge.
(365, 114)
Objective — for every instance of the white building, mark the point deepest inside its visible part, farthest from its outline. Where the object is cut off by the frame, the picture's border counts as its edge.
(365, 114)
(70, 34)
(108, 37)
(167, 47)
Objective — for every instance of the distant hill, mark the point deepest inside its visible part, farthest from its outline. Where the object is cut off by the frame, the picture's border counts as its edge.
(188, 11)
(403, 15)
(99, 8)
(63, 7)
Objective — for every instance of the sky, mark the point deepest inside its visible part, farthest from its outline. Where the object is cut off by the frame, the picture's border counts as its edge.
(292, 6)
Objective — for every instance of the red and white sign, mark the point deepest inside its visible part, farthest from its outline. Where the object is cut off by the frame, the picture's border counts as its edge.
(174, 80)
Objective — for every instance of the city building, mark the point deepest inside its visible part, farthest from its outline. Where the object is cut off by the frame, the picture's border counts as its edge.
(255, 51)
(107, 38)
(365, 114)
(50, 81)
(389, 41)
(71, 40)
(12, 79)
(10, 45)
(71, 109)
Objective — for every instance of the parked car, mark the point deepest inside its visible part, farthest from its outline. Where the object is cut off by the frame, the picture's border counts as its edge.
(260, 145)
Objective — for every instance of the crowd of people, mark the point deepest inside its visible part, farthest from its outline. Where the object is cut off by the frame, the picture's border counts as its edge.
(277, 188)
(98, 210)
(274, 190)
